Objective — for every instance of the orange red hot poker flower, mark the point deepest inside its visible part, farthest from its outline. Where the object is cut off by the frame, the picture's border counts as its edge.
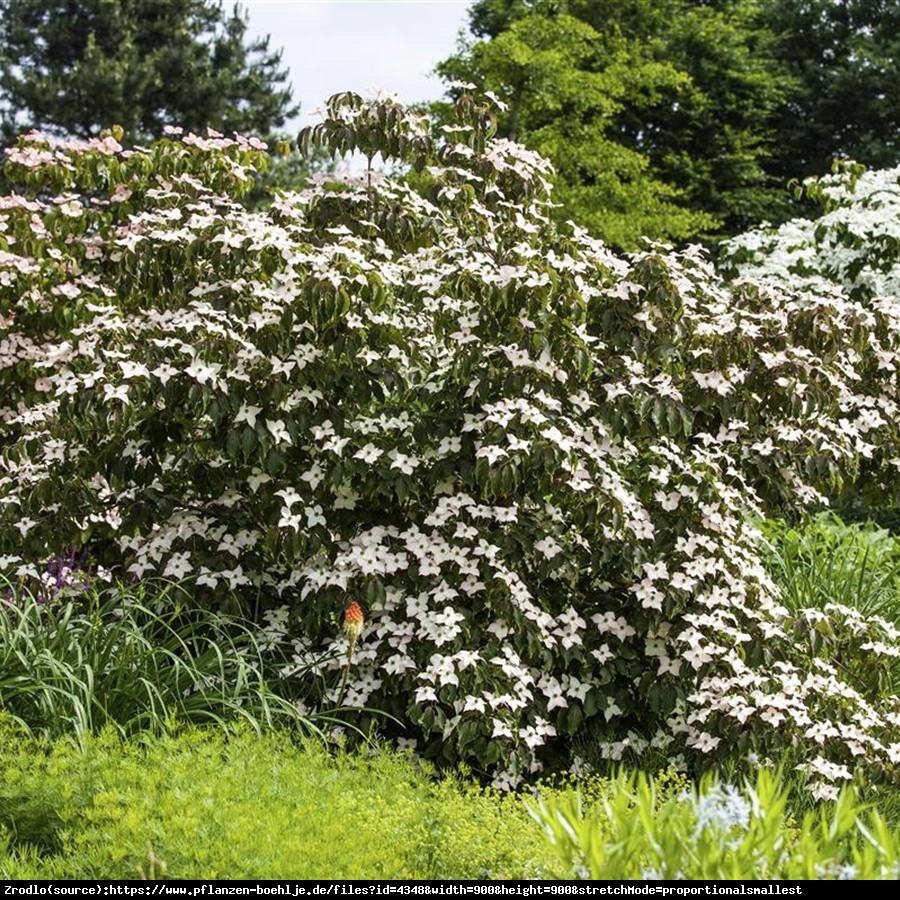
(353, 626)
(353, 621)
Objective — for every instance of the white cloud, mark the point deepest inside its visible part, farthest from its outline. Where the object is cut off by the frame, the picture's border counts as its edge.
(359, 45)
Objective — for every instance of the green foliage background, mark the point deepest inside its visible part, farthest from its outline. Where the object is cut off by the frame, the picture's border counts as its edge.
(73, 69)
(683, 120)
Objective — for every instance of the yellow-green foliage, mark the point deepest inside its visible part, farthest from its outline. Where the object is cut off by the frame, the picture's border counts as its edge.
(644, 827)
(210, 805)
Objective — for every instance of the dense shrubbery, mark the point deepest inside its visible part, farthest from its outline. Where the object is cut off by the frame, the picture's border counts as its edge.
(852, 248)
(531, 460)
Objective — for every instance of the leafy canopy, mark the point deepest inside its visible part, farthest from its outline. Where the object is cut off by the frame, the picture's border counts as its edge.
(658, 117)
(845, 101)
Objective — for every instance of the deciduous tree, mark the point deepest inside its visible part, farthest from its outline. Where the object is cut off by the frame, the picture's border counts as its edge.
(844, 58)
(658, 116)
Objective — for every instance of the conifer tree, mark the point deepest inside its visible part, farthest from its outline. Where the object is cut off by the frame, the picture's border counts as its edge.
(74, 67)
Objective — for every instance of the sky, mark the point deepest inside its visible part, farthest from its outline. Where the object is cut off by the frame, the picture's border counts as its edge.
(364, 46)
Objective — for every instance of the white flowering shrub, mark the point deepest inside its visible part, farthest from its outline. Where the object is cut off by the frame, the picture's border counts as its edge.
(530, 460)
(852, 247)
(851, 250)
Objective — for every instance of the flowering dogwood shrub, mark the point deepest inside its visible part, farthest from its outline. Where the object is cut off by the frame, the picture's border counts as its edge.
(854, 246)
(851, 250)
(531, 461)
